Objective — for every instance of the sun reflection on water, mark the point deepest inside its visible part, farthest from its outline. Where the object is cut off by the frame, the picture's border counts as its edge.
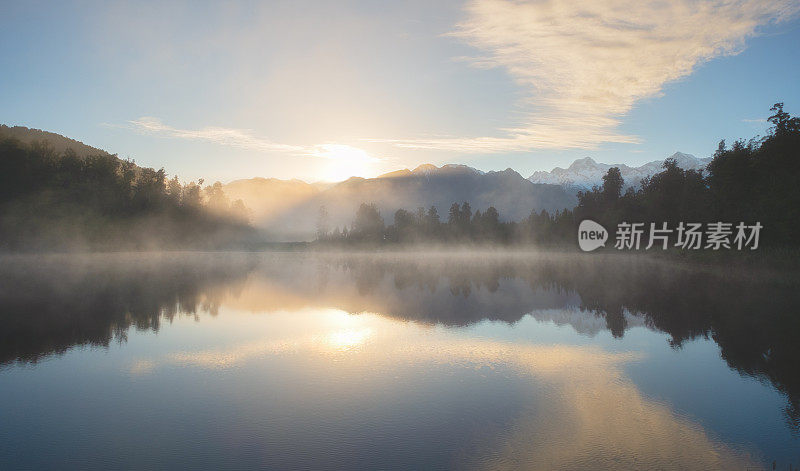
(591, 404)
(349, 339)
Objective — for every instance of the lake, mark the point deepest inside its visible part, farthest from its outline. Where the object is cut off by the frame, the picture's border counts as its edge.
(490, 360)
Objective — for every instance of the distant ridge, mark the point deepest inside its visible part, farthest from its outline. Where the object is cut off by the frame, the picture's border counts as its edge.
(585, 173)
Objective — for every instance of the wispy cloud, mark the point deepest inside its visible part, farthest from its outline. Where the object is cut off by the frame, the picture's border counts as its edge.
(241, 138)
(246, 139)
(583, 65)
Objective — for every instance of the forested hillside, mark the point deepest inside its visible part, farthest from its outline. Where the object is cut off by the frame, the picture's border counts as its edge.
(749, 181)
(54, 198)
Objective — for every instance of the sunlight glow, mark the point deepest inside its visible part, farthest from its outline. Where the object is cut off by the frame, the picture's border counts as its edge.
(344, 162)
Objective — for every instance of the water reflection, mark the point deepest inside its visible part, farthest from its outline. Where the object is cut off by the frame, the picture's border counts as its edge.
(363, 320)
(51, 303)
(587, 414)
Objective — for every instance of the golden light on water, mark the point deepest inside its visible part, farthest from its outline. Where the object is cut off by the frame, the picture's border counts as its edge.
(589, 398)
(349, 339)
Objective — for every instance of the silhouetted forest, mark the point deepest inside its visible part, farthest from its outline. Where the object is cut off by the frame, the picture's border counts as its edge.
(59, 200)
(750, 181)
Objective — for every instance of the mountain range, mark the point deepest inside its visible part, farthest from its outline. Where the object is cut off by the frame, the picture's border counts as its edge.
(585, 173)
(287, 210)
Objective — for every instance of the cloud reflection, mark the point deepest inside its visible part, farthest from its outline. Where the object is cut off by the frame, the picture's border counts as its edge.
(590, 407)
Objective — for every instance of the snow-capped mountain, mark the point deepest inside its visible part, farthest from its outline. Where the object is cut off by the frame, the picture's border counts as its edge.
(585, 173)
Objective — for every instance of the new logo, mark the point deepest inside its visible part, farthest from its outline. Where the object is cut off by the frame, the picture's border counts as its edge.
(591, 235)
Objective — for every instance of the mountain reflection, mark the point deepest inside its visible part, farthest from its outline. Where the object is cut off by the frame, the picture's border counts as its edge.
(51, 303)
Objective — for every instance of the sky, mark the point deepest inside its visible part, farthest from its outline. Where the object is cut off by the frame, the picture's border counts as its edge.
(321, 90)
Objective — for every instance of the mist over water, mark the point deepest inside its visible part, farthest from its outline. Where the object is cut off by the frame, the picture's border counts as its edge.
(476, 360)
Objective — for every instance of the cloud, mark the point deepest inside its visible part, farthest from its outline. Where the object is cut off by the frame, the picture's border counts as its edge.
(241, 138)
(583, 65)
(245, 139)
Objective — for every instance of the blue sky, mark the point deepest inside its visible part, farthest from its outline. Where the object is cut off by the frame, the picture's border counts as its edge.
(324, 90)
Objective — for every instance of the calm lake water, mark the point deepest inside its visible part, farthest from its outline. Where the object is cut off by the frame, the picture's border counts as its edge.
(482, 361)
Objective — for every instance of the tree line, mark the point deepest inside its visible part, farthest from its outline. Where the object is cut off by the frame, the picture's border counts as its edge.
(51, 200)
(460, 226)
(749, 181)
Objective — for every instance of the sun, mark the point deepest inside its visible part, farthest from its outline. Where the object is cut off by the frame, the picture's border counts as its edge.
(343, 161)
